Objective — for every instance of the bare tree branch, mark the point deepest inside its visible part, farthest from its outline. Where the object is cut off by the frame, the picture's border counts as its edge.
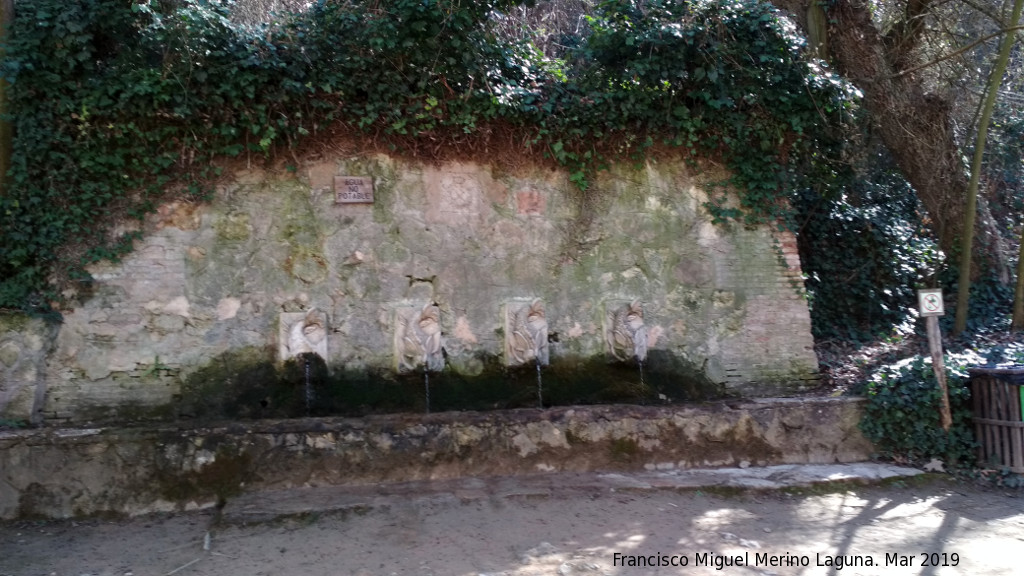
(981, 40)
(983, 9)
(905, 34)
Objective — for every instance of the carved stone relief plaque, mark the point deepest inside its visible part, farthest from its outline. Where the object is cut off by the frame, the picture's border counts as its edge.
(530, 203)
(453, 198)
(418, 340)
(301, 333)
(460, 193)
(625, 333)
(526, 333)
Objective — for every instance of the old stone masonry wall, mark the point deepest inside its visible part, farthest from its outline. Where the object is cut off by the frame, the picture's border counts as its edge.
(279, 264)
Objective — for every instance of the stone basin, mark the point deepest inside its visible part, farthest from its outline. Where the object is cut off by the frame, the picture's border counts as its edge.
(65, 472)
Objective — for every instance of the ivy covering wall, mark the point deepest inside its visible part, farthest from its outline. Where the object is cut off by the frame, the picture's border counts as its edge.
(117, 105)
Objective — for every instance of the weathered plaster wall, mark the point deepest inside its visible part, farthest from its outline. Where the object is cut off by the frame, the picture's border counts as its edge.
(24, 345)
(65, 472)
(208, 279)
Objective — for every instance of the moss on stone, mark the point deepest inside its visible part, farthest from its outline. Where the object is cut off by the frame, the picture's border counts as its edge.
(13, 322)
(306, 264)
(233, 227)
(222, 478)
(9, 354)
(238, 383)
(624, 449)
(248, 383)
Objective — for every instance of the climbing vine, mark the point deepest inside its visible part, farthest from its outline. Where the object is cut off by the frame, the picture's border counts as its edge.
(117, 105)
(863, 254)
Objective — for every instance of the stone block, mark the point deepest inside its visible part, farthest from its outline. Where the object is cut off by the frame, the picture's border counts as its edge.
(126, 470)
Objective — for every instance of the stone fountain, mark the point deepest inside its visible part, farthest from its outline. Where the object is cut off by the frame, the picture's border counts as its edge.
(526, 333)
(418, 342)
(302, 333)
(625, 333)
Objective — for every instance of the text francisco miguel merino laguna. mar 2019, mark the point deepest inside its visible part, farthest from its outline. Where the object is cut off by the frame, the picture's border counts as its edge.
(722, 561)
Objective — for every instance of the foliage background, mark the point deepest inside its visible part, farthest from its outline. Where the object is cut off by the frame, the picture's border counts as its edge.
(118, 105)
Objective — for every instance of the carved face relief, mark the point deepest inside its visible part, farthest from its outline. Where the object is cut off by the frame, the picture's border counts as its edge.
(418, 341)
(526, 329)
(627, 335)
(304, 333)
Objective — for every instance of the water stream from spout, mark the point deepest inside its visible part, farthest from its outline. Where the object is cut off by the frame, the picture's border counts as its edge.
(643, 385)
(309, 390)
(540, 387)
(426, 389)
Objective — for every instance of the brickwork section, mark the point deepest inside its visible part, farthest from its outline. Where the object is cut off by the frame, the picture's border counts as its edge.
(777, 327)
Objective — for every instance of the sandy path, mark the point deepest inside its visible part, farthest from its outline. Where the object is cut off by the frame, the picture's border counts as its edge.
(570, 531)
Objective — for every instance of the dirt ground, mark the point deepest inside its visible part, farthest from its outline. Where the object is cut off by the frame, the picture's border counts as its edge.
(927, 526)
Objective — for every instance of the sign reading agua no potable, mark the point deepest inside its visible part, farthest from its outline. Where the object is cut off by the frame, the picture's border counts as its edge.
(929, 303)
(353, 190)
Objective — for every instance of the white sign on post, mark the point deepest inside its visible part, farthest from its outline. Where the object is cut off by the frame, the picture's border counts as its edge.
(929, 303)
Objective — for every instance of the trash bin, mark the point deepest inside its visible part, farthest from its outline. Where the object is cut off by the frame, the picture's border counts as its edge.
(997, 395)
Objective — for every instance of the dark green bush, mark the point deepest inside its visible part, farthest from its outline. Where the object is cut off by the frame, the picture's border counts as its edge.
(902, 414)
(863, 253)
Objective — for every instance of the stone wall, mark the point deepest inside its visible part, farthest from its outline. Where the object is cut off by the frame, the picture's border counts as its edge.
(57, 473)
(24, 345)
(211, 280)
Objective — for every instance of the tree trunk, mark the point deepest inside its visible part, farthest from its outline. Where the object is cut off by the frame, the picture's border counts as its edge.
(966, 250)
(817, 31)
(915, 126)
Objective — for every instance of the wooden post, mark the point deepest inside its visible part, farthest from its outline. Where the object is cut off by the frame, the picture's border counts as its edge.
(935, 347)
(931, 307)
(1018, 293)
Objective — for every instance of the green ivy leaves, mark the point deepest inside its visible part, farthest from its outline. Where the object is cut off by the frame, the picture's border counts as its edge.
(902, 414)
(115, 104)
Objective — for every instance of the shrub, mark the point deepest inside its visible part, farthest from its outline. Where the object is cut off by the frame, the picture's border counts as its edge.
(863, 253)
(902, 414)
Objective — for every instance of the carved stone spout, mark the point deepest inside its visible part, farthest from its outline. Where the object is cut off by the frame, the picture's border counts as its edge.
(303, 333)
(418, 339)
(626, 334)
(526, 333)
